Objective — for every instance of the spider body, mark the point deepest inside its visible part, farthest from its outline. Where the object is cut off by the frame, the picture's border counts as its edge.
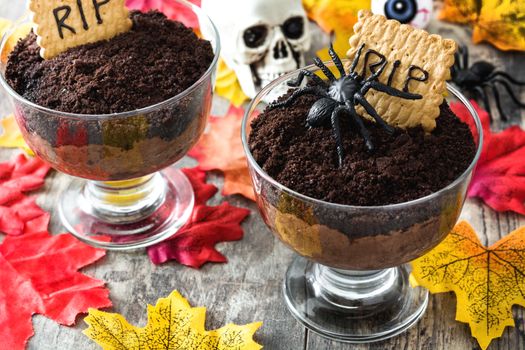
(481, 77)
(343, 89)
(339, 92)
(340, 96)
(475, 75)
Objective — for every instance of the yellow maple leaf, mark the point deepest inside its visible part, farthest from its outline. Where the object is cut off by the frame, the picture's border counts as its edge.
(487, 281)
(172, 324)
(11, 136)
(337, 17)
(500, 22)
(227, 85)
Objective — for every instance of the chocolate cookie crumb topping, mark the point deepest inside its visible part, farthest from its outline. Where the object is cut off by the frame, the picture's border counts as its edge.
(155, 61)
(404, 166)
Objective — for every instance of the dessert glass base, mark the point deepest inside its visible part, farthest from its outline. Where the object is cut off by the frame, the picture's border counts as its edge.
(121, 215)
(353, 306)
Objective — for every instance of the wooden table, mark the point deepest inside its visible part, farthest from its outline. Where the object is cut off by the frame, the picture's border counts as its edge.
(248, 287)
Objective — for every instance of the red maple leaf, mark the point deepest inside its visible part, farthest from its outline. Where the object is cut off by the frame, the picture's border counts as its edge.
(39, 274)
(202, 190)
(221, 149)
(172, 9)
(194, 244)
(499, 178)
(18, 213)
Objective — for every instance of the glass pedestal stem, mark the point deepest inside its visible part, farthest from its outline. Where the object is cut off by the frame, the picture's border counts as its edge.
(355, 290)
(128, 214)
(125, 201)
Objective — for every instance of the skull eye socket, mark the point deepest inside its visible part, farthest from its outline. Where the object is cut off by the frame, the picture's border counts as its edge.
(293, 27)
(255, 36)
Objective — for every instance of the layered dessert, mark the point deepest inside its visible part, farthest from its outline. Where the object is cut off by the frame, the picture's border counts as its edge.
(143, 69)
(367, 168)
(405, 166)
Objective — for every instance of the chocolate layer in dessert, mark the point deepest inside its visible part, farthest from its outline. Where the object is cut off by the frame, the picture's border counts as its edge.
(404, 166)
(152, 63)
(156, 60)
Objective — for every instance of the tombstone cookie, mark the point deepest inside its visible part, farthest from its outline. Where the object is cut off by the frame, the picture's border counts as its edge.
(414, 61)
(62, 24)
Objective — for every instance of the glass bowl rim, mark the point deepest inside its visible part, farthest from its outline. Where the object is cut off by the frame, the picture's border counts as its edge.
(312, 67)
(144, 110)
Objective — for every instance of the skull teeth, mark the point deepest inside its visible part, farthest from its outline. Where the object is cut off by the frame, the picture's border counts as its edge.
(269, 77)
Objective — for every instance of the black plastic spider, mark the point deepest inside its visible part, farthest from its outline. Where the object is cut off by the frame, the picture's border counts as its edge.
(481, 75)
(343, 94)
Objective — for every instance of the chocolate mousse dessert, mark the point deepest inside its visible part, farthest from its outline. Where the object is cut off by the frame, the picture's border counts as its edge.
(153, 62)
(378, 138)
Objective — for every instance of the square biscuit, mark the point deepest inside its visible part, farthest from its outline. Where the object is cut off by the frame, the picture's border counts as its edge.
(412, 47)
(89, 22)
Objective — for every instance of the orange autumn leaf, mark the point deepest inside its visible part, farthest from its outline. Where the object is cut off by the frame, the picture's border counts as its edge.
(487, 281)
(11, 136)
(332, 15)
(221, 149)
(465, 11)
(337, 17)
(500, 22)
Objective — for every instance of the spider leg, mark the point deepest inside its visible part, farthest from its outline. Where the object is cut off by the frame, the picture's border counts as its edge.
(507, 76)
(373, 113)
(479, 90)
(309, 90)
(495, 92)
(464, 55)
(336, 60)
(388, 90)
(362, 128)
(457, 62)
(306, 73)
(356, 58)
(324, 68)
(337, 133)
(507, 87)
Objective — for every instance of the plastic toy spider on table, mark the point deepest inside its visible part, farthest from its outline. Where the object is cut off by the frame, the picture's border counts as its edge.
(479, 77)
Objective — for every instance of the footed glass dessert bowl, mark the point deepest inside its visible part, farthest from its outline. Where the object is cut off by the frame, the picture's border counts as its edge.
(127, 194)
(350, 280)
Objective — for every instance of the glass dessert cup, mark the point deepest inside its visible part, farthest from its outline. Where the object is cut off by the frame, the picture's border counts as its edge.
(133, 196)
(350, 280)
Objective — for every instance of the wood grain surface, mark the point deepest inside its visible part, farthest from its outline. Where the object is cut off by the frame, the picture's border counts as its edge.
(248, 287)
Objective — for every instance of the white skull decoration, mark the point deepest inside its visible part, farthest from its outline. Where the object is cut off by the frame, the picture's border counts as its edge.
(261, 39)
(415, 12)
